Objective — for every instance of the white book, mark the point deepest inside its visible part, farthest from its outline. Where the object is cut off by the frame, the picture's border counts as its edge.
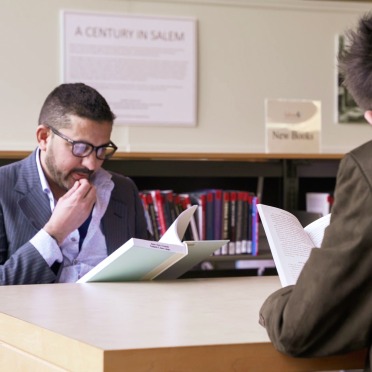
(140, 259)
(289, 242)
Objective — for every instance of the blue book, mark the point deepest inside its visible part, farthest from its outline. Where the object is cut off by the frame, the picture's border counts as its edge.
(255, 226)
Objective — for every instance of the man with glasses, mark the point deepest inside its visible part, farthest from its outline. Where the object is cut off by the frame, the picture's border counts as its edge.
(61, 213)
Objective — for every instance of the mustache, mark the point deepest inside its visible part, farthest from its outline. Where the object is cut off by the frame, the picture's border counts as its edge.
(86, 171)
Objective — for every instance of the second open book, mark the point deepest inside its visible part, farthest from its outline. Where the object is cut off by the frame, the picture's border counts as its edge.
(290, 243)
(169, 258)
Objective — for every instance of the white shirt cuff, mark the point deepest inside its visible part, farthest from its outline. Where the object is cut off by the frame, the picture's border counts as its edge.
(47, 247)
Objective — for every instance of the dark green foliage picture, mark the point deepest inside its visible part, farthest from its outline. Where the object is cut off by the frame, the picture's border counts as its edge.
(347, 110)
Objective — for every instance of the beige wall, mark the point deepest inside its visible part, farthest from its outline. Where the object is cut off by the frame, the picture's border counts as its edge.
(248, 51)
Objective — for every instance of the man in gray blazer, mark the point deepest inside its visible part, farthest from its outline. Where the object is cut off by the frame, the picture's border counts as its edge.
(329, 310)
(61, 213)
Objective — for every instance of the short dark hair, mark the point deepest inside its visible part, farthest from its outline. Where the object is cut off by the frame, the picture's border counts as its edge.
(355, 62)
(74, 99)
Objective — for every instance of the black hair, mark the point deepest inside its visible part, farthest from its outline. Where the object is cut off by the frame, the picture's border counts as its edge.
(74, 99)
(355, 62)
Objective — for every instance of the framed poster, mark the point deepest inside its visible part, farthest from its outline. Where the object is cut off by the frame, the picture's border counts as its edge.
(144, 66)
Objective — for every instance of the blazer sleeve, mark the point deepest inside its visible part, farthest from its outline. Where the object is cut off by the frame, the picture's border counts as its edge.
(26, 266)
(329, 309)
(24, 209)
(23, 264)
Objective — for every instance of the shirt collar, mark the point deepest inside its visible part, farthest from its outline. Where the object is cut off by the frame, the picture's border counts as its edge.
(43, 180)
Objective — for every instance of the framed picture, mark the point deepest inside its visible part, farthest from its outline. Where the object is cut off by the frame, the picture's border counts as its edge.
(347, 111)
(145, 66)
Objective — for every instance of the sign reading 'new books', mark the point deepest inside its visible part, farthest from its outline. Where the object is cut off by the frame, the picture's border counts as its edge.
(293, 126)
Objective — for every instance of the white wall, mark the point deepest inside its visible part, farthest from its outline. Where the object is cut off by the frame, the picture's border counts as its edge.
(248, 51)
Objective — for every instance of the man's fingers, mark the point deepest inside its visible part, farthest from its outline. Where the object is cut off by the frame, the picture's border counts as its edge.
(81, 189)
(72, 190)
(86, 189)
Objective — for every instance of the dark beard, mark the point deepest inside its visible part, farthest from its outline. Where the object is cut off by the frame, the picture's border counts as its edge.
(56, 176)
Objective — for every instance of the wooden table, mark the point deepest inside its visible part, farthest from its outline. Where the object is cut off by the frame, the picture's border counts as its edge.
(182, 325)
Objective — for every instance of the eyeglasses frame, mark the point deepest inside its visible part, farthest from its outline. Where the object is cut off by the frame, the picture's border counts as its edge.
(72, 142)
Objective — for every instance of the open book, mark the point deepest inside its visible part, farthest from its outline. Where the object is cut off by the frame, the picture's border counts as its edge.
(290, 243)
(169, 258)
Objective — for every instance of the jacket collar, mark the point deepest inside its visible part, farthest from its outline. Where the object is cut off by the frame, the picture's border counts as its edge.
(34, 203)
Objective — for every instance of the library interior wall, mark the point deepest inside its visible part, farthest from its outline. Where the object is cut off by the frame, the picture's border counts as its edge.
(247, 51)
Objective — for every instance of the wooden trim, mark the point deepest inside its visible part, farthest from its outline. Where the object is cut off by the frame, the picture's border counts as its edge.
(221, 157)
(14, 154)
(250, 157)
(239, 357)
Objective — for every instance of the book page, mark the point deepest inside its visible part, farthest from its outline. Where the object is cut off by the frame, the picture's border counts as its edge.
(177, 230)
(289, 243)
(316, 229)
(197, 251)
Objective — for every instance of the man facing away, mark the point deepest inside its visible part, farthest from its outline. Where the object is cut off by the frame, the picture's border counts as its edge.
(61, 213)
(329, 310)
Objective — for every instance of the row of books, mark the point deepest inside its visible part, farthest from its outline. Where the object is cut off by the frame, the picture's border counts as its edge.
(221, 214)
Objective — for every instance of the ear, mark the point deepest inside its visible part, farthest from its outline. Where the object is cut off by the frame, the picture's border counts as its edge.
(42, 136)
(368, 116)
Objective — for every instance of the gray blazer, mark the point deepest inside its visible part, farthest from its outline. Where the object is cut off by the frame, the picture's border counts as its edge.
(25, 209)
(329, 310)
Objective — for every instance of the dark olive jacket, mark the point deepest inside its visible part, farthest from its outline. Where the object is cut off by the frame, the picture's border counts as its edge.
(329, 310)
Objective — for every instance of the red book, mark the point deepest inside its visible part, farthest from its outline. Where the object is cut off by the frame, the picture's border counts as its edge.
(150, 214)
(159, 208)
(193, 227)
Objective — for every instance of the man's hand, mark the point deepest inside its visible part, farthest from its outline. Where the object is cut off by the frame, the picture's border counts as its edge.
(72, 210)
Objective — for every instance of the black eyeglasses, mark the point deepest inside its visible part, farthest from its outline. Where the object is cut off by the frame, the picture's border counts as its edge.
(83, 149)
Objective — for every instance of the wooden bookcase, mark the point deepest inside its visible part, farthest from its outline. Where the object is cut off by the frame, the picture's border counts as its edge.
(280, 180)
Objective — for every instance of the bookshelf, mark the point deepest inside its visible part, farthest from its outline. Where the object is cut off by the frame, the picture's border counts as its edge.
(281, 180)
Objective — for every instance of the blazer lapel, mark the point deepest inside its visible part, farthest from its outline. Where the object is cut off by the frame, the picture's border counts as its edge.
(34, 203)
(114, 223)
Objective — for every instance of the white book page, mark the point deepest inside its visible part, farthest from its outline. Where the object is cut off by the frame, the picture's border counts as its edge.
(197, 251)
(177, 230)
(289, 243)
(316, 229)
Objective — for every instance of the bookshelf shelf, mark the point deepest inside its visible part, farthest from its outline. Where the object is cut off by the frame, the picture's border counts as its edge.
(281, 180)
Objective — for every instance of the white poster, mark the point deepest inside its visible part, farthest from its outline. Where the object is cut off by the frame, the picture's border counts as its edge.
(144, 66)
(293, 126)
